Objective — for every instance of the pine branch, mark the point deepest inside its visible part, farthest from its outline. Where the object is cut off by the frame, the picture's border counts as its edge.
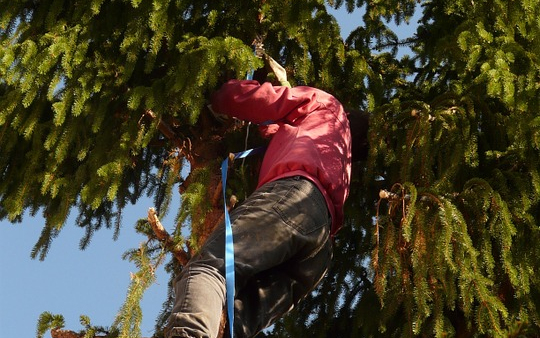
(396, 44)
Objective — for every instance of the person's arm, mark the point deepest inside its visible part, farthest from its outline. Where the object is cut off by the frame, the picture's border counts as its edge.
(246, 100)
(251, 101)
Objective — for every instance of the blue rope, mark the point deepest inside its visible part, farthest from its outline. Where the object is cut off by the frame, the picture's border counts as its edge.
(229, 242)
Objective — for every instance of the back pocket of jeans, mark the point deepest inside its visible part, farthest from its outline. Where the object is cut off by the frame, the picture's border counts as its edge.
(301, 212)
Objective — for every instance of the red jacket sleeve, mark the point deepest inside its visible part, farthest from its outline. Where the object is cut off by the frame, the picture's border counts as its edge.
(251, 101)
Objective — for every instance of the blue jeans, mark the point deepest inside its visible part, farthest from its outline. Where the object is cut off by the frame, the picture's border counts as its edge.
(282, 250)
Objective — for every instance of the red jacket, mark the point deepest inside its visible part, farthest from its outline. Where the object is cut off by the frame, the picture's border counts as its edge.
(310, 135)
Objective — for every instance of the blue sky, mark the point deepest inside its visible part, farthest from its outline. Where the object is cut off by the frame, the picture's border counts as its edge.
(69, 281)
(72, 282)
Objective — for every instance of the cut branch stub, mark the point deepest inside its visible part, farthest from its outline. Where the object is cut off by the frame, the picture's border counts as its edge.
(162, 235)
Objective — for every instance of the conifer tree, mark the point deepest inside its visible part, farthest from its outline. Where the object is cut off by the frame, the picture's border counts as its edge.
(103, 102)
(454, 156)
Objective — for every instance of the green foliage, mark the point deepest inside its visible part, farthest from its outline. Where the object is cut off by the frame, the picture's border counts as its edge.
(454, 135)
(129, 317)
(454, 257)
(77, 81)
(48, 321)
(91, 331)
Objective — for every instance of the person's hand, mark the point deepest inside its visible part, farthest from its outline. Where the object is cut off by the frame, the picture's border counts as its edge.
(278, 70)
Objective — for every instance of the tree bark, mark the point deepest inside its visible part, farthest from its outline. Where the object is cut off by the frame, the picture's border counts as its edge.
(205, 147)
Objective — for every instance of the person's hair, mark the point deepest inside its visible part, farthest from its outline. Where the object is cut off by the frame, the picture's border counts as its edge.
(359, 124)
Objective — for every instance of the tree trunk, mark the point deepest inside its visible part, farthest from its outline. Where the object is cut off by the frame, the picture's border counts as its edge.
(205, 147)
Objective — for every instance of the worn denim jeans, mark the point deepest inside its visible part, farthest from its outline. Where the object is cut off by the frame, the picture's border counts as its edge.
(282, 250)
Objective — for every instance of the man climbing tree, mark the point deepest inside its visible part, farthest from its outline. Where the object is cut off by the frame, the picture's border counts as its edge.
(103, 102)
(282, 232)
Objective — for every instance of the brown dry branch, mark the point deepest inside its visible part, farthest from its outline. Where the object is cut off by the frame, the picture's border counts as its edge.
(385, 194)
(60, 333)
(162, 235)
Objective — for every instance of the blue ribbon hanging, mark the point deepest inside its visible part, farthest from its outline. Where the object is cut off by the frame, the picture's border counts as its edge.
(229, 242)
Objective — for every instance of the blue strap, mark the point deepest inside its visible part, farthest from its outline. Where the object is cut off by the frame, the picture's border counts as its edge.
(249, 75)
(229, 243)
